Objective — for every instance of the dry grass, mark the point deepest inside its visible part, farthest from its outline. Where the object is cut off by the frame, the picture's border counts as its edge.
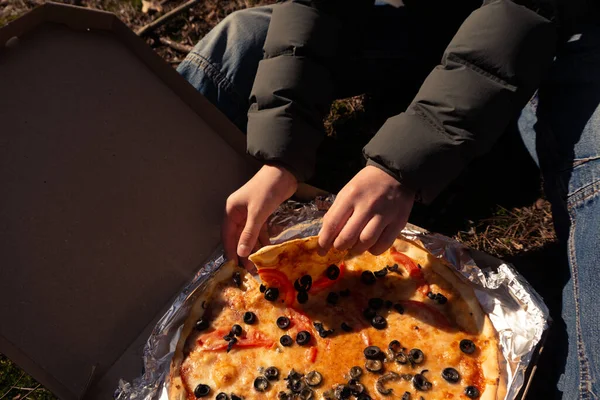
(511, 232)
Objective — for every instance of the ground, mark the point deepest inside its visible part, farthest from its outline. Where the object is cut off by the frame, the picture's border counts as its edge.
(495, 206)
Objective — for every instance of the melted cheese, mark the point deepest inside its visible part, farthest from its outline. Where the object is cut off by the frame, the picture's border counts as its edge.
(418, 327)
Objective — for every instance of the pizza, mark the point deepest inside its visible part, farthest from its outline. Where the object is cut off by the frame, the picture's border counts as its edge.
(400, 325)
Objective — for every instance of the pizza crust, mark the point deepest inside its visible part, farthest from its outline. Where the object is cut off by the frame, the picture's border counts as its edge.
(176, 389)
(273, 256)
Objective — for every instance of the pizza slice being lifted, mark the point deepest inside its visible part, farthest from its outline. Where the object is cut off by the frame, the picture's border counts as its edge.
(399, 325)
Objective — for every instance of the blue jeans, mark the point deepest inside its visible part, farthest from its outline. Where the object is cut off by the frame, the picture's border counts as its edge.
(390, 55)
(561, 129)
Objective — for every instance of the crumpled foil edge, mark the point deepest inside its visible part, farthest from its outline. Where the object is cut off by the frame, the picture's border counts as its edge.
(516, 310)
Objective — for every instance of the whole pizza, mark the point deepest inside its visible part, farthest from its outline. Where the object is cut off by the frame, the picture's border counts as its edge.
(400, 325)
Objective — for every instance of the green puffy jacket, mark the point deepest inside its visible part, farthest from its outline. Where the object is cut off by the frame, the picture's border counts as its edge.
(488, 72)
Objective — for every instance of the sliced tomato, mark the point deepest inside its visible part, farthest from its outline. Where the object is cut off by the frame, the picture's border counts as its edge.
(213, 341)
(277, 279)
(300, 320)
(412, 268)
(323, 282)
(311, 354)
(418, 307)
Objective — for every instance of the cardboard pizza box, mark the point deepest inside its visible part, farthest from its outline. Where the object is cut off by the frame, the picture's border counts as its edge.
(113, 176)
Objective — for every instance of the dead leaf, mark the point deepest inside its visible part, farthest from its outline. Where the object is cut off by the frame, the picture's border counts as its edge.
(151, 5)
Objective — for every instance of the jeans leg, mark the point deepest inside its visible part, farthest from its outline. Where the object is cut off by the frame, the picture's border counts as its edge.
(567, 125)
(222, 66)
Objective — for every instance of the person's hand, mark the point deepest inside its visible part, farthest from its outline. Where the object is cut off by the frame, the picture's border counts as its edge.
(368, 213)
(248, 208)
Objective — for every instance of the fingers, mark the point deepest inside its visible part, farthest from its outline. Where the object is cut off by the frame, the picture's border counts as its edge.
(370, 234)
(351, 231)
(387, 237)
(333, 222)
(249, 235)
(263, 236)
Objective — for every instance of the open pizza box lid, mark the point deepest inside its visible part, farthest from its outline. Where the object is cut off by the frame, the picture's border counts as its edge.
(114, 172)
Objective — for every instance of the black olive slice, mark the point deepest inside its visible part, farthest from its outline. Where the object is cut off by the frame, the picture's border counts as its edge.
(232, 341)
(249, 317)
(379, 322)
(272, 373)
(283, 322)
(302, 297)
(201, 325)
(286, 340)
(367, 278)
(372, 353)
(395, 346)
(467, 346)
(398, 307)
(451, 375)
(374, 365)
(332, 272)
(363, 396)
(271, 294)
(342, 392)
(262, 288)
(328, 395)
(356, 372)
(416, 356)
(201, 390)
(369, 313)
(296, 385)
(381, 273)
(332, 298)
(313, 378)
(383, 379)
(393, 268)
(222, 396)
(421, 383)
(304, 283)
(285, 396)
(261, 384)
(407, 377)
(293, 375)
(388, 304)
(401, 358)
(306, 394)
(236, 330)
(303, 337)
(375, 303)
(406, 396)
(355, 388)
(236, 397)
(346, 327)
(440, 299)
(472, 392)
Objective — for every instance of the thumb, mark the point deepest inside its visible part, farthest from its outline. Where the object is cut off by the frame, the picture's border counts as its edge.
(249, 235)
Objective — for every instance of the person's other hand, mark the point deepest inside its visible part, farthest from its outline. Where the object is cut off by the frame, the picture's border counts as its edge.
(248, 208)
(368, 213)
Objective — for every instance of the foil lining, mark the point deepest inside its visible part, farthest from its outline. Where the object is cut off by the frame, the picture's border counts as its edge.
(515, 309)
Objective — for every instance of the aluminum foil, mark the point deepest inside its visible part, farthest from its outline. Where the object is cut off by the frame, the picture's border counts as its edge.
(516, 310)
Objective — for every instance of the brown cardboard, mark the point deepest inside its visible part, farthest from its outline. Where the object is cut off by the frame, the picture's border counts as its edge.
(113, 173)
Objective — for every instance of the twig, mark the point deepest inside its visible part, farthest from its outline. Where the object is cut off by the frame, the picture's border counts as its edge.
(28, 394)
(144, 30)
(184, 48)
(12, 387)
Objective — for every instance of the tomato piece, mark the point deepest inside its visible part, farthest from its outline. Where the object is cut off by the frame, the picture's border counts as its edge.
(323, 282)
(300, 320)
(275, 278)
(311, 354)
(412, 268)
(438, 318)
(213, 341)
